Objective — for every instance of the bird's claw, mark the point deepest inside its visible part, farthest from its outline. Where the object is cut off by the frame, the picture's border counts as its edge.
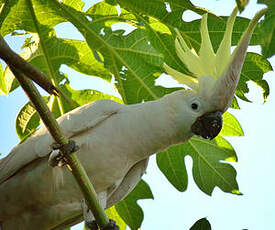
(71, 147)
(59, 151)
(111, 225)
(92, 225)
(56, 159)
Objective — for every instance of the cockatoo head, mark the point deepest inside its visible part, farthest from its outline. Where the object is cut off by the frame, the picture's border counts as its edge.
(215, 75)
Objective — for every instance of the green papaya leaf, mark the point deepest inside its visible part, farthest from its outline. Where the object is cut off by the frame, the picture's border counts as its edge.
(168, 12)
(129, 210)
(241, 4)
(112, 214)
(172, 17)
(7, 81)
(110, 13)
(231, 126)
(43, 49)
(172, 165)
(210, 165)
(27, 121)
(162, 41)
(82, 97)
(57, 106)
(253, 69)
(72, 99)
(202, 224)
(234, 103)
(267, 28)
(3, 83)
(130, 58)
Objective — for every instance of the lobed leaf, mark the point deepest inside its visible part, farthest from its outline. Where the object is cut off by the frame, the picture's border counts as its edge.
(163, 41)
(130, 58)
(241, 4)
(208, 170)
(129, 210)
(234, 103)
(267, 28)
(27, 121)
(231, 126)
(7, 81)
(43, 49)
(202, 224)
(172, 17)
(27, 15)
(168, 12)
(253, 69)
(112, 214)
(82, 97)
(171, 163)
(210, 167)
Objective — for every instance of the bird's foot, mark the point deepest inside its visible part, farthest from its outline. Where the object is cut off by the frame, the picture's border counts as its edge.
(56, 158)
(92, 225)
(111, 225)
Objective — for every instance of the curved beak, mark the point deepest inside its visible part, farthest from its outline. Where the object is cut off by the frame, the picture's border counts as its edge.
(208, 125)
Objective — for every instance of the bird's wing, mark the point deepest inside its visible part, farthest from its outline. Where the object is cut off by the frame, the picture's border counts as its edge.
(128, 183)
(39, 145)
(124, 188)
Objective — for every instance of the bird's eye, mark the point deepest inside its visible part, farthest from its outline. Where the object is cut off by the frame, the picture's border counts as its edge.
(194, 106)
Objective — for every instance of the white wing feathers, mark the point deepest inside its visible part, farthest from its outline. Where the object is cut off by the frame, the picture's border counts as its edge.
(39, 145)
(128, 183)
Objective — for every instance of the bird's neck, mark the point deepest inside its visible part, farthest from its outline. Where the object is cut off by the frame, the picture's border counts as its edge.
(159, 129)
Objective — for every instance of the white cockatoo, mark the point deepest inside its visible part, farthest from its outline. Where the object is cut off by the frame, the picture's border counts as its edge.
(115, 140)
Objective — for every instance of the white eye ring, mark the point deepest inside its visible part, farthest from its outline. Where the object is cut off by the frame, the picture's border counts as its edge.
(195, 105)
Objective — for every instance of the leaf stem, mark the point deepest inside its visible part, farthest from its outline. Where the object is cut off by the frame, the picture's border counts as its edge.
(61, 106)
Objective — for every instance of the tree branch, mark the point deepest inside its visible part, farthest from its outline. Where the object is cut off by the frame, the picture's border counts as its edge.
(75, 166)
(14, 60)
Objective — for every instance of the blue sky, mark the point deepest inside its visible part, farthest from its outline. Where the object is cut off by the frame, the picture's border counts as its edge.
(174, 210)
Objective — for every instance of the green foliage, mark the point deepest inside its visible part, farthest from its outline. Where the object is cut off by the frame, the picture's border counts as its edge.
(241, 4)
(202, 224)
(128, 208)
(113, 214)
(231, 126)
(7, 81)
(254, 67)
(267, 28)
(134, 59)
(27, 121)
(210, 161)
(210, 165)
